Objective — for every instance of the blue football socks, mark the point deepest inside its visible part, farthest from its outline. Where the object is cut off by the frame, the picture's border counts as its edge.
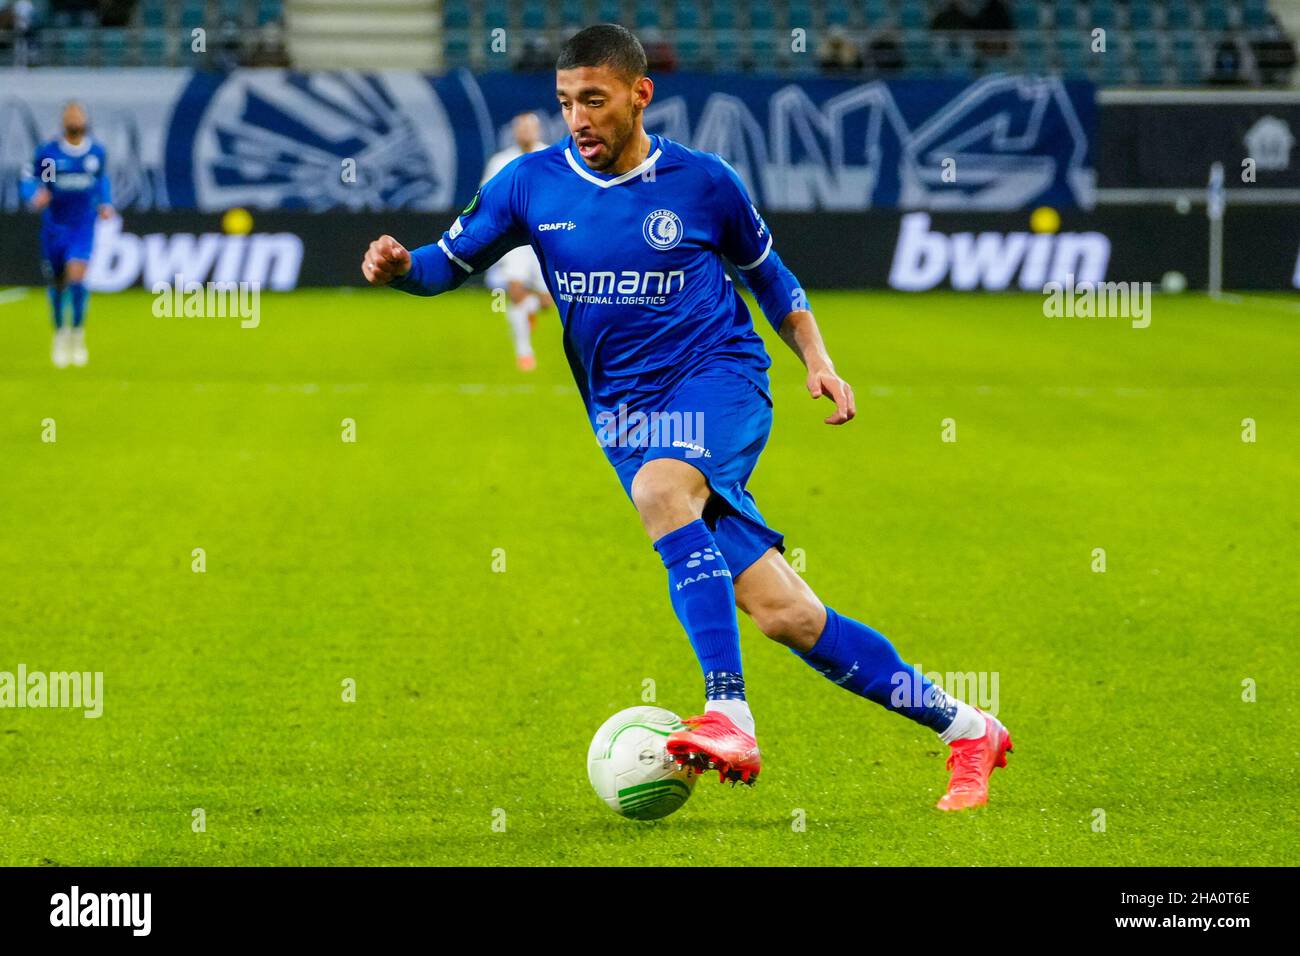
(56, 305)
(862, 660)
(699, 583)
(78, 295)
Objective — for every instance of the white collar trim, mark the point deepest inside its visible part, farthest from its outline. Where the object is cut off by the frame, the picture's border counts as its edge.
(585, 173)
(75, 150)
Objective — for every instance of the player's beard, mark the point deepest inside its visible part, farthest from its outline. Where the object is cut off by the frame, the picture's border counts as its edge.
(615, 145)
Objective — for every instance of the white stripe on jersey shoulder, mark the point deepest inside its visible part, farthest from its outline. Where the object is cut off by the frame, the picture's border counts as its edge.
(452, 256)
(585, 173)
(759, 261)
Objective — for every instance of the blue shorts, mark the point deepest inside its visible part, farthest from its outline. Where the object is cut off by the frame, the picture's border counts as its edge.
(717, 421)
(63, 244)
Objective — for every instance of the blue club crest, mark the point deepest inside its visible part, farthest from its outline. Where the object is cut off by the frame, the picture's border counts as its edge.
(662, 229)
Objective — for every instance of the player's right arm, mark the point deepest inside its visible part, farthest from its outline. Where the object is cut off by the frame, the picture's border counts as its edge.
(486, 229)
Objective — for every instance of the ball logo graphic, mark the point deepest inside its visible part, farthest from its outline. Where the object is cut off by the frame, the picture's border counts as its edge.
(92, 164)
(662, 229)
(630, 768)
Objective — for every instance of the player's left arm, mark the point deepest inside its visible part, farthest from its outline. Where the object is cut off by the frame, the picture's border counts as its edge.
(103, 190)
(747, 243)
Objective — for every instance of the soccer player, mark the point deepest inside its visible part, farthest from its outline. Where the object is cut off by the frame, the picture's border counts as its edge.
(632, 230)
(518, 272)
(68, 183)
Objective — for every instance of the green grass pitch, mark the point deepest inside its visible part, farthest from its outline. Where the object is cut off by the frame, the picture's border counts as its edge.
(477, 691)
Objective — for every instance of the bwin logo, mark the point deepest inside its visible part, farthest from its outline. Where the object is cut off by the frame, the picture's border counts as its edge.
(992, 260)
(662, 229)
(121, 259)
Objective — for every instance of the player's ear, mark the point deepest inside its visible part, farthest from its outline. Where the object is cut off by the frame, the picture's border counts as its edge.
(644, 91)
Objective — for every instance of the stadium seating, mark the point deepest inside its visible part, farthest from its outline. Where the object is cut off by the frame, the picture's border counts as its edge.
(1149, 42)
(158, 33)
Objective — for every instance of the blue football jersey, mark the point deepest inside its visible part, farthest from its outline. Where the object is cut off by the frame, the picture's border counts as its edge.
(77, 178)
(635, 263)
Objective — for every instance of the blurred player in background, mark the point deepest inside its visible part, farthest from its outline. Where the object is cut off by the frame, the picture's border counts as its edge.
(518, 271)
(68, 184)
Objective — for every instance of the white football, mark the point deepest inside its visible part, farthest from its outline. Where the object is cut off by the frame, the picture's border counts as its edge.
(629, 766)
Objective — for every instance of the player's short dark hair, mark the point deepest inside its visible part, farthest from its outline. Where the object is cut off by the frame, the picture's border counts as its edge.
(605, 44)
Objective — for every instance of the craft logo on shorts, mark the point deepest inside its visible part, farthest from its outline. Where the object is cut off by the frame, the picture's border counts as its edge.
(662, 229)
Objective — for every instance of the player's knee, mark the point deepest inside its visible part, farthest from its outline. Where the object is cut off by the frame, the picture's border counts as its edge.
(655, 495)
(794, 622)
(666, 496)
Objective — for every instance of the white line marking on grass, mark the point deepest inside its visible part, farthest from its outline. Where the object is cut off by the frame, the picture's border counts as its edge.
(463, 388)
(1059, 391)
(12, 295)
(1231, 298)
